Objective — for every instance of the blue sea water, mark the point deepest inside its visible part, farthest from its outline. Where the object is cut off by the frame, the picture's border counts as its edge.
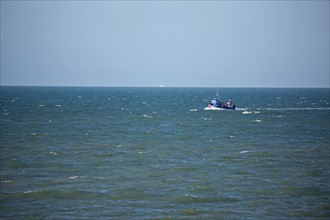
(154, 153)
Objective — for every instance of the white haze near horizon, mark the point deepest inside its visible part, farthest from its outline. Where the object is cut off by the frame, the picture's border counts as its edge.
(171, 43)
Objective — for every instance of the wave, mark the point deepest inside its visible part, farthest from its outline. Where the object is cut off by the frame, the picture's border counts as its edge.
(297, 109)
(70, 194)
(280, 109)
(190, 199)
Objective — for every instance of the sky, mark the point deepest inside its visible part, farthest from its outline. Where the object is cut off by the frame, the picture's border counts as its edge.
(173, 43)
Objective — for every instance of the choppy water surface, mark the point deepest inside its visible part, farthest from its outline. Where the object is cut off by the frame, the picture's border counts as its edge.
(154, 153)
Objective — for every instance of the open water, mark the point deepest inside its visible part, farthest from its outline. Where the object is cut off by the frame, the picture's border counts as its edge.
(154, 153)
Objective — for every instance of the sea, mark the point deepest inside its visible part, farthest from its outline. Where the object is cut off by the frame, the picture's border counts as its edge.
(155, 153)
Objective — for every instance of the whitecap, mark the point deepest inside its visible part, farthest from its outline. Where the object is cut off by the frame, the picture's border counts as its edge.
(257, 120)
(32, 191)
(246, 112)
(243, 151)
(193, 110)
(147, 116)
(73, 177)
(51, 152)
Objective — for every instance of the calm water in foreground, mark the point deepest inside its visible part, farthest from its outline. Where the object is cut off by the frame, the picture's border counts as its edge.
(154, 153)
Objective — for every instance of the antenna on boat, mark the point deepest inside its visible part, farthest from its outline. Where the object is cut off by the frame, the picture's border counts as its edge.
(218, 95)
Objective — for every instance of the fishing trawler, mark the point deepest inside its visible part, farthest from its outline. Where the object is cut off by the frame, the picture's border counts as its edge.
(216, 104)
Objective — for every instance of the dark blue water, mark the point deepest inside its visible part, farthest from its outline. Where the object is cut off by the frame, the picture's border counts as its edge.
(154, 153)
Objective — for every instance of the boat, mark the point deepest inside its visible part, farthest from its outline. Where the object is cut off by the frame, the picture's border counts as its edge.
(216, 104)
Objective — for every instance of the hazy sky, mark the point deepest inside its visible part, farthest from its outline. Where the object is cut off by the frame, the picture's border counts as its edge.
(176, 43)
